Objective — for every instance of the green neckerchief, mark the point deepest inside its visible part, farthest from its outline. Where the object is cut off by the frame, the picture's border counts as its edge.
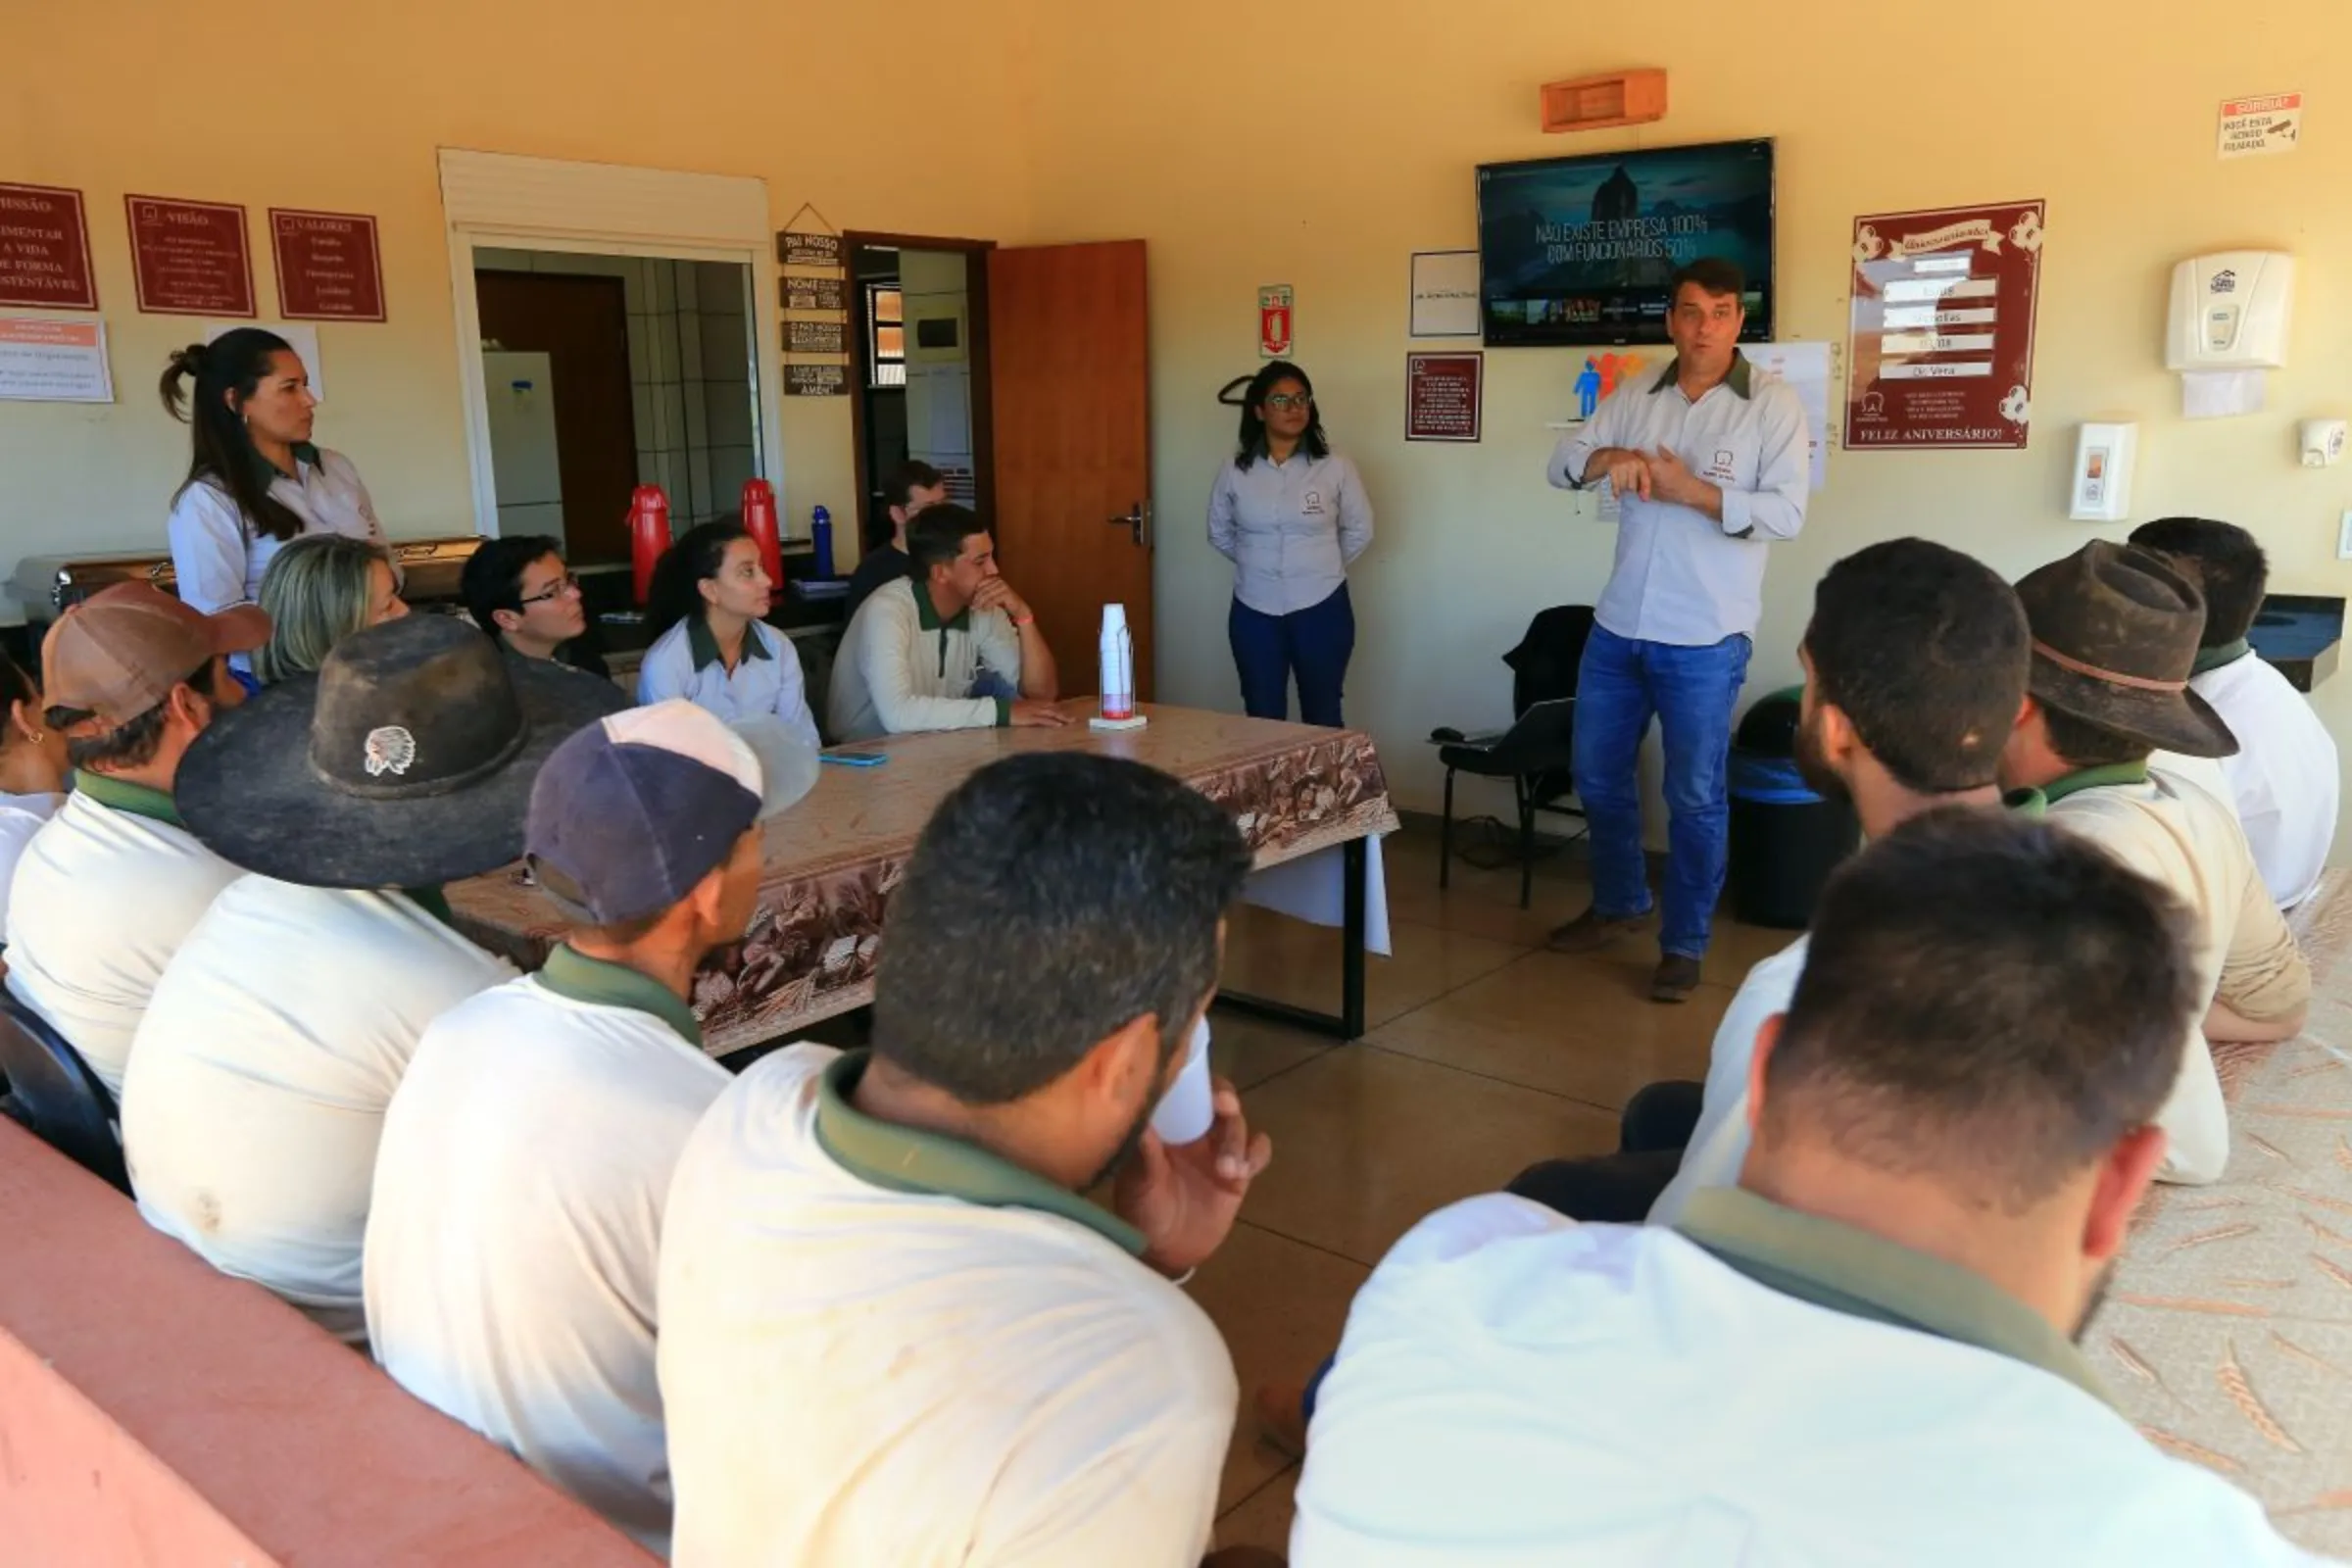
(569, 972)
(1851, 1271)
(703, 648)
(2214, 657)
(124, 796)
(1739, 378)
(908, 1160)
(2091, 778)
(270, 473)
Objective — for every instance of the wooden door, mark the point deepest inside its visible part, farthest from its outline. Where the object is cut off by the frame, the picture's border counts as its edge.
(582, 325)
(1068, 369)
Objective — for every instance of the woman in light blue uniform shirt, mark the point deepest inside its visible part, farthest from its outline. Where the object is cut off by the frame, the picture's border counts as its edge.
(710, 643)
(1292, 516)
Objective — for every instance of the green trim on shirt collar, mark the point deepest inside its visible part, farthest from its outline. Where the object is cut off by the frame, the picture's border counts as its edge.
(123, 796)
(908, 1160)
(702, 648)
(1739, 378)
(435, 902)
(926, 614)
(2214, 657)
(571, 974)
(269, 472)
(2030, 803)
(2092, 778)
(1851, 1271)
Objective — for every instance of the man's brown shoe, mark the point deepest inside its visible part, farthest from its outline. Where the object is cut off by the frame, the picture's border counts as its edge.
(1676, 978)
(1281, 1410)
(1592, 931)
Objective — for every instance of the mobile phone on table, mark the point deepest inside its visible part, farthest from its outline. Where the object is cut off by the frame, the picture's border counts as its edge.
(853, 759)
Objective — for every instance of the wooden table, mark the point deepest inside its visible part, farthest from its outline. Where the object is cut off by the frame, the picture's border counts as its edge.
(833, 859)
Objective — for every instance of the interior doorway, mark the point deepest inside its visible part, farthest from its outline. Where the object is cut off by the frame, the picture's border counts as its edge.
(919, 368)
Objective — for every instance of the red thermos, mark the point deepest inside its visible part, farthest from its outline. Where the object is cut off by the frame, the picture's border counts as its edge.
(760, 521)
(649, 534)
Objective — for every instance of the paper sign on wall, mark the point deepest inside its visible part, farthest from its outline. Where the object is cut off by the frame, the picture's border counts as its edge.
(1807, 369)
(1942, 328)
(1444, 294)
(2271, 123)
(53, 362)
(1274, 322)
(1443, 396)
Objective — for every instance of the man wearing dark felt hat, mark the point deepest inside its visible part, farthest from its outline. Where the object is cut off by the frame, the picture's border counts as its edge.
(287, 1017)
(2115, 631)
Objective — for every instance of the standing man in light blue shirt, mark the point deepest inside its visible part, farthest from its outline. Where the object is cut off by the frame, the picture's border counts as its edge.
(1290, 515)
(1708, 464)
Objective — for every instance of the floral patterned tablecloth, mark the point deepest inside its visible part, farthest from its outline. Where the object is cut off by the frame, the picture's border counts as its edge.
(833, 861)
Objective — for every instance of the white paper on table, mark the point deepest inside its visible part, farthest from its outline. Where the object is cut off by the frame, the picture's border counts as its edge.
(1805, 367)
(2216, 394)
(1314, 888)
(301, 335)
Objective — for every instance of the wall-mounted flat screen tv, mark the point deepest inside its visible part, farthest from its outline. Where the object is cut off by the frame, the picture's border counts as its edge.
(1579, 251)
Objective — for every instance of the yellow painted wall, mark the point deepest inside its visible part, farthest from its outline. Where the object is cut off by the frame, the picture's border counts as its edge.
(1320, 143)
(344, 109)
(1316, 145)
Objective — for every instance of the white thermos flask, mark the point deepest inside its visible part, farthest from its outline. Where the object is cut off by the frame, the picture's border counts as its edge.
(1119, 665)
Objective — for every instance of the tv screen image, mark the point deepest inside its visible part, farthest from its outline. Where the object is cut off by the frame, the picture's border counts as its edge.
(1580, 251)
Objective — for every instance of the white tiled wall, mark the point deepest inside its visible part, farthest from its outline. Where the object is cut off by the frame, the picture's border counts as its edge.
(690, 372)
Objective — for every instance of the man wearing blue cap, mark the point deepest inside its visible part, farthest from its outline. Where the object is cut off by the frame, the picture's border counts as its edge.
(519, 1184)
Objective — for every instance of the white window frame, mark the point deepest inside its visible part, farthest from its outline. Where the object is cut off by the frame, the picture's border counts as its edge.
(498, 201)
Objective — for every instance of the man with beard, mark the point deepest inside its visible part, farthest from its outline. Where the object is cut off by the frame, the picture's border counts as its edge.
(1915, 670)
(1863, 1351)
(892, 1329)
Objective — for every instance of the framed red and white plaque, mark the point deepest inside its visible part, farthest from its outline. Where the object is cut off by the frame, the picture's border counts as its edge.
(190, 258)
(329, 265)
(46, 249)
(1942, 350)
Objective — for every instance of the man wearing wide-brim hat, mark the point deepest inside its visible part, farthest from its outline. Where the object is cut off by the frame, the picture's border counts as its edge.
(2115, 632)
(261, 1072)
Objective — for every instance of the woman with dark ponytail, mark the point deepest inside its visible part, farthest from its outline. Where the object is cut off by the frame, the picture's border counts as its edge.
(255, 480)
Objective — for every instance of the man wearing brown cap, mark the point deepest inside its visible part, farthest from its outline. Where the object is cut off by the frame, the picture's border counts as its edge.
(2115, 631)
(110, 887)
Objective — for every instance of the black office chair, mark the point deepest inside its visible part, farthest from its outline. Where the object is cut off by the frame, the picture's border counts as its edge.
(1537, 753)
(54, 1093)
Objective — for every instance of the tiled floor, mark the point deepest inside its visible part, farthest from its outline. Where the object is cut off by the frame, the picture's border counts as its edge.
(1486, 1054)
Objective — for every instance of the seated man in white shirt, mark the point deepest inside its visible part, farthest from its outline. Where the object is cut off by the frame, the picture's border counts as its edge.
(1915, 671)
(2115, 638)
(108, 887)
(1862, 1354)
(2284, 779)
(514, 1239)
(950, 645)
(259, 1076)
(892, 1331)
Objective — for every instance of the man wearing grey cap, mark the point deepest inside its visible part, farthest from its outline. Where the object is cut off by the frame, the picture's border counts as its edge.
(512, 1247)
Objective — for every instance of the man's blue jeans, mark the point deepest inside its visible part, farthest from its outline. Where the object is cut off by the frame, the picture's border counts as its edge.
(1623, 684)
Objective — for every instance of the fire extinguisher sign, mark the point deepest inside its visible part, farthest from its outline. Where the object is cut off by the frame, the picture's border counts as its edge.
(1274, 322)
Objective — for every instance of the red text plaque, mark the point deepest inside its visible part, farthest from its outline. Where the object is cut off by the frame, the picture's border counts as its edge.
(1942, 350)
(1442, 396)
(46, 249)
(328, 269)
(190, 258)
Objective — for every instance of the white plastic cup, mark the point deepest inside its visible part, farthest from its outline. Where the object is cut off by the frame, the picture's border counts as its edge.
(1188, 1110)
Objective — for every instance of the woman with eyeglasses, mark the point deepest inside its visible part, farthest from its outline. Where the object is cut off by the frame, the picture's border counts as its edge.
(519, 591)
(1290, 514)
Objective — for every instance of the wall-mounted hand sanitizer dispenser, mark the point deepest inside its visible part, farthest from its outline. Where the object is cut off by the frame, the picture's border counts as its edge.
(2230, 311)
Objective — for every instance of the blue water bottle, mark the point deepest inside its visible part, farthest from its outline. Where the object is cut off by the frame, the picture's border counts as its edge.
(821, 533)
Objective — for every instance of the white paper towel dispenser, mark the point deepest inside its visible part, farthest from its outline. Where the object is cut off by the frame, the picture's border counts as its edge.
(2230, 311)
